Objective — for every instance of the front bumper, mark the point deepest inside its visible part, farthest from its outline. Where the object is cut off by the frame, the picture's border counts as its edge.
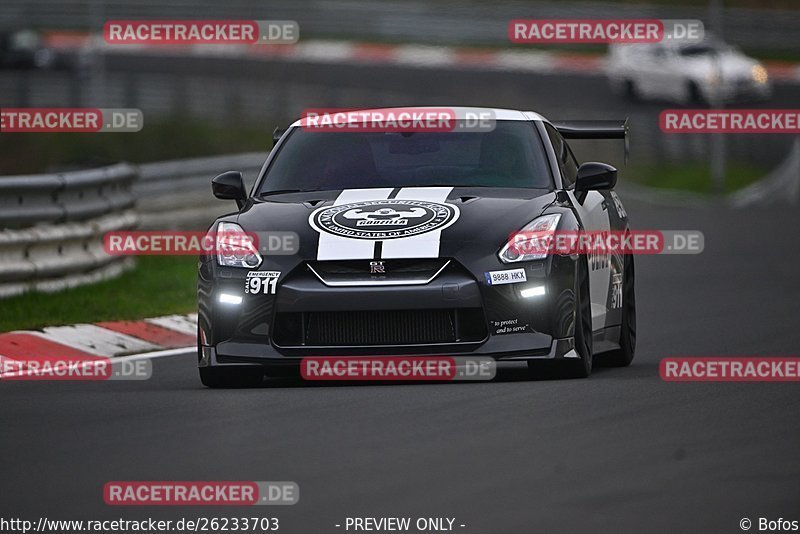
(455, 314)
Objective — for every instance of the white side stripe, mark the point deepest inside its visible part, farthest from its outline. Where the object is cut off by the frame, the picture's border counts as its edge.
(424, 245)
(333, 247)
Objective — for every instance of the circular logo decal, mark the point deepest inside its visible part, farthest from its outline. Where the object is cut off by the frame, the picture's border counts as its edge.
(383, 219)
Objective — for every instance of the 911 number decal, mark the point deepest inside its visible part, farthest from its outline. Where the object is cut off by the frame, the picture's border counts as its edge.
(261, 282)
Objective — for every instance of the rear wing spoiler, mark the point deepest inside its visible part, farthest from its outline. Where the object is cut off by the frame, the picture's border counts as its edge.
(595, 129)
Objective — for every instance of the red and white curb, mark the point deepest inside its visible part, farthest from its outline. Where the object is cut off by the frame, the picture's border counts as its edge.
(112, 339)
(407, 55)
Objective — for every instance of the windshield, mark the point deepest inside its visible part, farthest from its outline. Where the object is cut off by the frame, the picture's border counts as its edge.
(511, 155)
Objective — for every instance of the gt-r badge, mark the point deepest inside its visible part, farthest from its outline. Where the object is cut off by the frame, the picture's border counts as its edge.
(383, 219)
(377, 267)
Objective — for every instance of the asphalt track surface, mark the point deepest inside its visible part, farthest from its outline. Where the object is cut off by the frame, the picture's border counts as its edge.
(622, 451)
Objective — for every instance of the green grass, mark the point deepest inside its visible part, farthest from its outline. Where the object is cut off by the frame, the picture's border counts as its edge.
(158, 285)
(30, 153)
(694, 177)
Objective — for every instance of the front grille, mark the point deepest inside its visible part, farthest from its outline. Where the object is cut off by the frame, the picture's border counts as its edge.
(365, 272)
(385, 327)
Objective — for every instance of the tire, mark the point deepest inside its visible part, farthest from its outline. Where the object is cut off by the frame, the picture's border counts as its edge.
(581, 368)
(231, 377)
(623, 356)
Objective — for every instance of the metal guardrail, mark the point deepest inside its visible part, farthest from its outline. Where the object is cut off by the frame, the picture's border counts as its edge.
(189, 171)
(65, 197)
(51, 227)
(177, 194)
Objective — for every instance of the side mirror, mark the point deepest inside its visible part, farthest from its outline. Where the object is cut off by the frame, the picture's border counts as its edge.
(229, 186)
(593, 175)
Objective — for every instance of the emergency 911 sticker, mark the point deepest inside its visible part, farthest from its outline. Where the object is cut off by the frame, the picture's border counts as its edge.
(261, 282)
(512, 276)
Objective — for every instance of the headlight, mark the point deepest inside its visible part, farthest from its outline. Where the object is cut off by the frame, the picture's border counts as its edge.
(235, 248)
(759, 74)
(530, 243)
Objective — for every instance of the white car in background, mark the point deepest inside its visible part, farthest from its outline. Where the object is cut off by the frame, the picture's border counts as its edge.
(701, 72)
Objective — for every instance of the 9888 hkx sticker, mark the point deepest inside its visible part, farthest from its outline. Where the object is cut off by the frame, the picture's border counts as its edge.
(261, 282)
(511, 276)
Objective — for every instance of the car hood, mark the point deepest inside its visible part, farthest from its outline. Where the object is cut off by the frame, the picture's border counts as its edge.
(420, 222)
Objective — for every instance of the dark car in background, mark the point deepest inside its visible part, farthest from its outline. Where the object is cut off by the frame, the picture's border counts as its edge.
(25, 49)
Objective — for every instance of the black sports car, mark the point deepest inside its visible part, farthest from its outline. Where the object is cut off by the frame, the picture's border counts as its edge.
(403, 250)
